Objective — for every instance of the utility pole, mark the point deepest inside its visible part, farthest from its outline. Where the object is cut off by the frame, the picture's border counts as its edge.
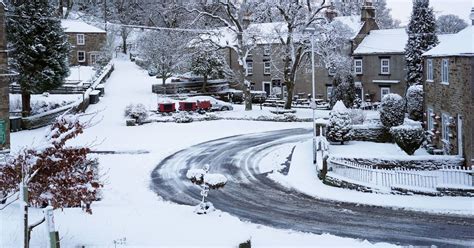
(105, 14)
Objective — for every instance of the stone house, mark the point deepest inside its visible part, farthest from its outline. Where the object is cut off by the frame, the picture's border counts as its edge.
(449, 95)
(86, 42)
(4, 85)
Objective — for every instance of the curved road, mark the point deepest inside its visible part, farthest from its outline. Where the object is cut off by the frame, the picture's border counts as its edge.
(251, 195)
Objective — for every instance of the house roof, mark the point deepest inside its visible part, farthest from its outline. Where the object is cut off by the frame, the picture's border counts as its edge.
(385, 41)
(460, 44)
(72, 26)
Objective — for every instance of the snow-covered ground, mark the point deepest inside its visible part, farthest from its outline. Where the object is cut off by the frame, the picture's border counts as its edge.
(80, 74)
(42, 102)
(302, 177)
(129, 209)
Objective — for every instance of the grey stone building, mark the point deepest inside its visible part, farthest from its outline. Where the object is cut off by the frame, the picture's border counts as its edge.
(449, 95)
(4, 83)
(86, 42)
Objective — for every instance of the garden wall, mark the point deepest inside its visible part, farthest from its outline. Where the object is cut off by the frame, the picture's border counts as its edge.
(427, 162)
(373, 133)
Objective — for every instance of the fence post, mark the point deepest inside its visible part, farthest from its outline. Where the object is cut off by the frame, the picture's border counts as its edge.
(53, 235)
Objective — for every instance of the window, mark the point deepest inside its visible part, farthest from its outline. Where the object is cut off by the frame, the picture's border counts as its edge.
(429, 119)
(332, 70)
(445, 71)
(249, 67)
(94, 58)
(445, 120)
(81, 56)
(266, 51)
(384, 91)
(385, 66)
(267, 68)
(329, 92)
(429, 70)
(81, 40)
(358, 66)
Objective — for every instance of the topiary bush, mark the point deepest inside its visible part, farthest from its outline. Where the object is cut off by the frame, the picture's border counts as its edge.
(415, 102)
(408, 137)
(339, 127)
(136, 111)
(392, 111)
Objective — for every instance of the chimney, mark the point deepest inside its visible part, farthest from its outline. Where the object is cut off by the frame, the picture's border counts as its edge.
(472, 16)
(331, 13)
(367, 11)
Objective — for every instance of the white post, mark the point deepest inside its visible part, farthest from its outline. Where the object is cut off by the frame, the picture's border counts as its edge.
(314, 95)
(24, 212)
(50, 227)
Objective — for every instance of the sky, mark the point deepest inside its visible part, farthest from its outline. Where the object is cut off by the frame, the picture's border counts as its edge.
(401, 9)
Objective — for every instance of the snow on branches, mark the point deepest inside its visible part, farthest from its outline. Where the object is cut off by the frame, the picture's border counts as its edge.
(339, 127)
(392, 111)
(414, 100)
(54, 173)
(408, 137)
(206, 181)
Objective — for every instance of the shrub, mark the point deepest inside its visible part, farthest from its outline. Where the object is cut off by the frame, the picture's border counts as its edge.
(182, 117)
(136, 111)
(408, 137)
(358, 116)
(415, 102)
(392, 111)
(339, 127)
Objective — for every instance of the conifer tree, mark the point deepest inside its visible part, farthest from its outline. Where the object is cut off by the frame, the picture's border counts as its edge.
(340, 124)
(421, 37)
(39, 49)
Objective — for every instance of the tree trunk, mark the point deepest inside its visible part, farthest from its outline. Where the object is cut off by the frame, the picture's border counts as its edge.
(124, 40)
(204, 84)
(247, 98)
(25, 102)
(290, 87)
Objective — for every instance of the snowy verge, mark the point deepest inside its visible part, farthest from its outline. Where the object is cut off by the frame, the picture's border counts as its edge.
(303, 177)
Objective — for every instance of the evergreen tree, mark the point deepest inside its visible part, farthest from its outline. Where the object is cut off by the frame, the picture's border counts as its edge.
(392, 110)
(340, 124)
(343, 90)
(40, 49)
(421, 37)
(208, 65)
(414, 101)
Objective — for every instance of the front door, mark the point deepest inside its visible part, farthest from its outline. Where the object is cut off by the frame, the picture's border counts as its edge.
(267, 87)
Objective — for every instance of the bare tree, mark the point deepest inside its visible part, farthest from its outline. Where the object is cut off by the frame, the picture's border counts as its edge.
(450, 24)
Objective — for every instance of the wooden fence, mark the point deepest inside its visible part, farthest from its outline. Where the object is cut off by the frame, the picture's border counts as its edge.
(446, 177)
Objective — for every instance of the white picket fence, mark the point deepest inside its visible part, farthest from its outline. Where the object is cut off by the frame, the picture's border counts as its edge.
(448, 176)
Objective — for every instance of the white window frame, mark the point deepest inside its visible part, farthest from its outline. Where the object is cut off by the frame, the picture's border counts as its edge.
(381, 92)
(267, 68)
(358, 69)
(266, 51)
(384, 67)
(332, 71)
(81, 39)
(249, 67)
(429, 70)
(445, 71)
(84, 59)
(430, 119)
(93, 61)
(445, 131)
(329, 92)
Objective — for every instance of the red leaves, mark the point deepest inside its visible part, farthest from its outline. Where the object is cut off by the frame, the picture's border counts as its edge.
(56, 175)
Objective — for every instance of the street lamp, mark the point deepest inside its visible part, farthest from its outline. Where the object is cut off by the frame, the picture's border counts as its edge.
(313, 106)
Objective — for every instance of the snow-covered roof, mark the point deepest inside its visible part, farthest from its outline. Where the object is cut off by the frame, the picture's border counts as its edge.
(460, 44)
(387, 41)
(72, 26)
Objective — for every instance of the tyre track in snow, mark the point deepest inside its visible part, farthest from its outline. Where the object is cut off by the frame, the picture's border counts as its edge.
(252, 196)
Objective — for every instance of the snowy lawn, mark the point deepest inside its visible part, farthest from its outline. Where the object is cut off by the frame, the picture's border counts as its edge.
(363, 149)
(302, 177)
(129, 209)
(42, 103)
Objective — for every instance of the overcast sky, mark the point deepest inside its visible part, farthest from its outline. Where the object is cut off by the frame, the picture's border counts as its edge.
(401, 9)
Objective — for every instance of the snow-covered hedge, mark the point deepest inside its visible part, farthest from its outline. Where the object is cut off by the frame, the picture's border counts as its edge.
(182, 117)
(426, 162)
(415, 102)
(339, 126)
(358, 116)
(373, 133)
(136, 111)
(392, 111)
(408, 137)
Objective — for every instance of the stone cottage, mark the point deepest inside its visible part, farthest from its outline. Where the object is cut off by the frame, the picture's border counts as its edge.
(86, 42)
(449, 95)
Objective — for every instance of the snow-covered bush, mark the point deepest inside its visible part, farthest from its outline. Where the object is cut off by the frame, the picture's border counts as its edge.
(358, 116)
(54, 173)
(206, 181)
(392, 110)
(339, 127)
(415, 102)
(136, 111)
(182, 117)
(408, 137)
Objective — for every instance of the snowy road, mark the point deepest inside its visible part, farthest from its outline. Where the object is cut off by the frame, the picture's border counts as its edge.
(251, 195)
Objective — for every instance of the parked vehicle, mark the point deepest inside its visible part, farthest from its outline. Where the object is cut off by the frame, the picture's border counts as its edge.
(216, 105)
(231, 95)
(258, 96)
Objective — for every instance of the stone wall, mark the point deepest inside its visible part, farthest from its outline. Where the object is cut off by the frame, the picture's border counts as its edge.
(453, 99)
(93, 44)
(4, 95)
